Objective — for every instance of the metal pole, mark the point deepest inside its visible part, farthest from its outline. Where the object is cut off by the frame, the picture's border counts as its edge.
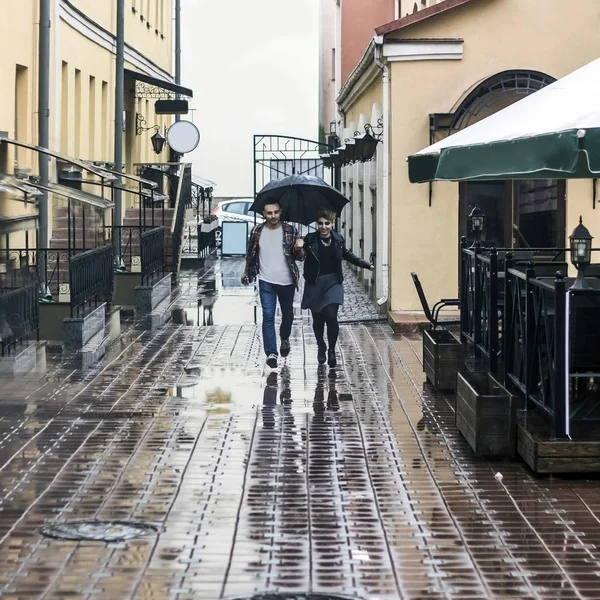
(177, 45)
(44, 116)
(561, 376)
(119, 101)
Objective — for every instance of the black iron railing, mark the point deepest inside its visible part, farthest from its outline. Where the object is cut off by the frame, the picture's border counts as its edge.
(198, 243)
(19, 313)
(128, 252)
(535, 344)
(91, 276)
(480, 306)
(201, 201)
(152, 252)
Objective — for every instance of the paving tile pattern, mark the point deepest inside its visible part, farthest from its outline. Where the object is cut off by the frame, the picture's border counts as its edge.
(352, 481)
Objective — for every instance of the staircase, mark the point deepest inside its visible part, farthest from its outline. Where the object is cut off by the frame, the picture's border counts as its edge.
(86, 232)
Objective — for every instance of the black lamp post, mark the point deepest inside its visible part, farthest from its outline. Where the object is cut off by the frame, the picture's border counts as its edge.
(327, 160)
(158, 142)
(350, 150)
(581, 254)
(342, 154)
(365, 146)
(476, 222)
(336, 159)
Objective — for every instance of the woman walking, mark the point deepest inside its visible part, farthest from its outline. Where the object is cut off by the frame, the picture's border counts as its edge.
(323, 289)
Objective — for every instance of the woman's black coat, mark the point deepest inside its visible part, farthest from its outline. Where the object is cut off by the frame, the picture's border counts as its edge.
(311, 256)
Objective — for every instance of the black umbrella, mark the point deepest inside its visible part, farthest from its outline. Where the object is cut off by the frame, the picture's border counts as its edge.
(300, 196)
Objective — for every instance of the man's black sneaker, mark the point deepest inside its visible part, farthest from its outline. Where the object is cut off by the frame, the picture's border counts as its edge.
(272, 361)
(285, 348)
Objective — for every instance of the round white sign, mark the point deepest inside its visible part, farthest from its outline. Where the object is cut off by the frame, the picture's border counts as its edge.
(183, 136)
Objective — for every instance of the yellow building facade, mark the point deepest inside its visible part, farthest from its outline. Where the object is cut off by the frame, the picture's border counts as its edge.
(82, 78)
(438, 71)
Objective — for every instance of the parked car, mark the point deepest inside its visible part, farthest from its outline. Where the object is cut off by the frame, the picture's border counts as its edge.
(236, 209)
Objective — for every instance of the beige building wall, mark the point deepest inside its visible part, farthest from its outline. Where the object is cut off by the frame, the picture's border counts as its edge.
(363, 185)
(82, 81)
(327, 66)
(425, 239)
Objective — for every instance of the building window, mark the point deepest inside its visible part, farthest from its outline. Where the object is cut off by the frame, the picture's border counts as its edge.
(92, 118)
(104, 121)
(21, 106)
(77, 128)
(64, 109)
(333, 64)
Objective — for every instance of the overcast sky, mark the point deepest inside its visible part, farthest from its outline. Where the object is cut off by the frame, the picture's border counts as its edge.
(253, 66)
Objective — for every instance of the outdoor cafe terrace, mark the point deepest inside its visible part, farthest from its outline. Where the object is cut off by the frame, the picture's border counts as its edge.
(528, 381)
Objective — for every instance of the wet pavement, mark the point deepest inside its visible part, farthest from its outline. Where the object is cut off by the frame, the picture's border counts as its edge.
(351, 482)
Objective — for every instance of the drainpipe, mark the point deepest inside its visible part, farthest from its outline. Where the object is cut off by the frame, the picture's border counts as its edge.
(44, 115)
(119, 106)
(385, 269)
(177, 46)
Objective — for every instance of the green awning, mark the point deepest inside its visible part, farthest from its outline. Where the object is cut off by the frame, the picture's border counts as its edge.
(551, 134)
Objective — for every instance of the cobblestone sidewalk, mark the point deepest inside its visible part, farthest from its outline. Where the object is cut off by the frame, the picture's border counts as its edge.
(352, 481)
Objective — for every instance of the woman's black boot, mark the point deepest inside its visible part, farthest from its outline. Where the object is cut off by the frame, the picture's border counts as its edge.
(321, 354)
(331, 359)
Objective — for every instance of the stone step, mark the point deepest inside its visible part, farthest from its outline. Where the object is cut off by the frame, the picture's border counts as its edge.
(63, 222)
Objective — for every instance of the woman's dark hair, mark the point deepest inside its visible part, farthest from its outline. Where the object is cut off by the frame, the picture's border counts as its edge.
(325, 213)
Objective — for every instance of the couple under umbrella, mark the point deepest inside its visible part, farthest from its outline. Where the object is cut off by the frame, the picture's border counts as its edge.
(275, 246)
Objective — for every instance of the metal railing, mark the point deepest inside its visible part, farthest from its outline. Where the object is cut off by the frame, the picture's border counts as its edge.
(128, 251)
(534, 350)
(91, 277)
(19, 313)
(152, 251)
(198, 243)
(184, 193)
(480, 303)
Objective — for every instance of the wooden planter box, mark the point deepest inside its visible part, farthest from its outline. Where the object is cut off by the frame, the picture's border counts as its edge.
(486, 414)
(443, 358)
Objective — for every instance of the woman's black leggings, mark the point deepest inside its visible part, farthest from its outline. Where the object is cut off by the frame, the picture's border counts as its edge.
(327, 316)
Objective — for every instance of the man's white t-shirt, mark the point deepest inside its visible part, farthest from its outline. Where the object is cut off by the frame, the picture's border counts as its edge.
(273, 267)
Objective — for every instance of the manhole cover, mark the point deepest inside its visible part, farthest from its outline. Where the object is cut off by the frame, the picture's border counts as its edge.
(294, 596)
(101, 531)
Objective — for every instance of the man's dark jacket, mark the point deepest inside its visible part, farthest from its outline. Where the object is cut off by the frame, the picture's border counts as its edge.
(311, 256)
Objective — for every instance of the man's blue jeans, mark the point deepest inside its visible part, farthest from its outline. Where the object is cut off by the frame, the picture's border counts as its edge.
(269, 294)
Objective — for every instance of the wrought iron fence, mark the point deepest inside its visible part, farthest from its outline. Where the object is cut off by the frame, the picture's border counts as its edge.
(535, 344)
(19, 313)
(91, 275)
(152, 246)
(480, 306)
(198, 243)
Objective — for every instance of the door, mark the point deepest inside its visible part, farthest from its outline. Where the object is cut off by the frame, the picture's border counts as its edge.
(518, 214)
(494, 200)
(539, 213)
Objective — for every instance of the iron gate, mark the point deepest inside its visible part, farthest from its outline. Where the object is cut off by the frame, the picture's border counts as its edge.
(277, 156)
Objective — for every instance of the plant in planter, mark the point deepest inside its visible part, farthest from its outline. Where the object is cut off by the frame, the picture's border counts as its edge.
(443, 358)
(209, 223)
(486, 414)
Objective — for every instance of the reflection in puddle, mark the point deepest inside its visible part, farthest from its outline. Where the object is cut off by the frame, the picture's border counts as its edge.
(217, 391)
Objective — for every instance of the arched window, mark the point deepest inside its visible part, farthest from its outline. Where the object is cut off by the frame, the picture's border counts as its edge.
(520, 213)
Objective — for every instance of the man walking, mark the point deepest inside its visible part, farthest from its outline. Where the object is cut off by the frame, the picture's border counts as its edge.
(273, 250)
